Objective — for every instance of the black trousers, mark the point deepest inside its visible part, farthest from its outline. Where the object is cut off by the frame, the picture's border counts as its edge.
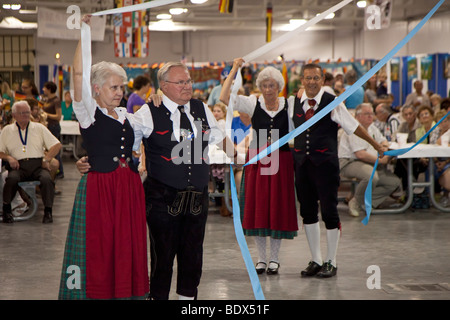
(29, 170)
(315, 183)
(176, 221)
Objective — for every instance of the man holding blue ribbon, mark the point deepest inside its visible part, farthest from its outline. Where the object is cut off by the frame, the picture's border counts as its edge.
(317, 166)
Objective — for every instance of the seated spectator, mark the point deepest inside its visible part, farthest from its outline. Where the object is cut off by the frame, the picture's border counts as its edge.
(22, 145)
(409, 124)
(426, 118)
(386, 121)
(442, 165)
(141, 86)
(357, 158)
(445, 104)
(417, 98)
(435, 101)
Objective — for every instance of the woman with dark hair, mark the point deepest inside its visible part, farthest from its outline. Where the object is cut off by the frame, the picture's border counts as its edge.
(29, 89)
(141, 86)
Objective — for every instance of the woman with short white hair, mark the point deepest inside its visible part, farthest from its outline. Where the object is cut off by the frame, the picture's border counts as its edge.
(268, 185)
(107, 236)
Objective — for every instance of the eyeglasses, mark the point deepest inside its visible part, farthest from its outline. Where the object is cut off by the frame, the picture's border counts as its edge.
(315, 79)
(367, 114)
(182, 83)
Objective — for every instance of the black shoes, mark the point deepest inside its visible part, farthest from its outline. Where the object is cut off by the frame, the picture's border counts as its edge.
(311, 270)
(7, 214)
(326, 270)
(48, 218)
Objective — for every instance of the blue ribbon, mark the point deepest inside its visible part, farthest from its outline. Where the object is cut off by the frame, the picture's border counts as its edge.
(259, 295)
(392, 153)
(277, 144)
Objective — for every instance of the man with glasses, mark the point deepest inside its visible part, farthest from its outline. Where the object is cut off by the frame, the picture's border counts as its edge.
(22, 146)
(176, 156)
(357, 158)
(317, 166)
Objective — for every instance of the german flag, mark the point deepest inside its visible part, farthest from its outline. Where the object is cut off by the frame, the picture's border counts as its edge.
(226, 6)
(269, 22)
(284, 72)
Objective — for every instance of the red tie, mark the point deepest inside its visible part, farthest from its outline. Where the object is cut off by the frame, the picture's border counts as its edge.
(310, 111)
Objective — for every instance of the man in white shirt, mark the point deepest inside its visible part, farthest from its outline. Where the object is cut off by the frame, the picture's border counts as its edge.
(357, 158)
(22, 145)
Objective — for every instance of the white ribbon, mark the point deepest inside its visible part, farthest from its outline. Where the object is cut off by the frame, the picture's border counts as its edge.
(266, 48)
(277, 42)
(136, 7)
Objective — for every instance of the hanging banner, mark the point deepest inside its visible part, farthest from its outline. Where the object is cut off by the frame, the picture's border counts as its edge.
(131, 34)
(269, 21)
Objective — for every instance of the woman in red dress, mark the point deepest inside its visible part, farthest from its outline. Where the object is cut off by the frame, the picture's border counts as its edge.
(268, 185)
(106, 248)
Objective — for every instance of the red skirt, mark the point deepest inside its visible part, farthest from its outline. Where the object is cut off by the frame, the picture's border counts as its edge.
(270, 196)
(116, 235)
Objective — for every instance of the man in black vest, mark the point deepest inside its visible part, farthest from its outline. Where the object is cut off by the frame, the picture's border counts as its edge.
(317, 166)
(176, 156)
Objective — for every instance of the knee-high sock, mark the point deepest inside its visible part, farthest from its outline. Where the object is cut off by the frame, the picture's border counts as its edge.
(274, 249)
(313, 236)
(261, 246)
(332, 243)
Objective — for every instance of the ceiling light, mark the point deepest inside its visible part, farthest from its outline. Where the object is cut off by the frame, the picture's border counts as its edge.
(162, 25)
(164, 16)
(198, 1)
(6, 6)
(16, 6)
(361, 4)
(297, 22)
(14, 23)
(176, 11)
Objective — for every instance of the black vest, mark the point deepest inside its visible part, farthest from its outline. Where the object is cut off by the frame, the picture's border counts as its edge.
(163, 159)
(318, 142)
(263, 124)
(107, 141)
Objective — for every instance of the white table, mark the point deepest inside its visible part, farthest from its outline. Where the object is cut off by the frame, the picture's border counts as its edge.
(72, 130)
(420, 151)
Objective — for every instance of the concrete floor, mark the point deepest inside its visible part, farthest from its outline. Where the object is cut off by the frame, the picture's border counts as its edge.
(409, 250)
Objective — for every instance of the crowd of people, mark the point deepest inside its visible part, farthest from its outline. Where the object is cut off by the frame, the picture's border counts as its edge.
(156, 134)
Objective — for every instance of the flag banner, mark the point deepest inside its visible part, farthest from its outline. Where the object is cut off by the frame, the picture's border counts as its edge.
(269, 20)
(131, 34)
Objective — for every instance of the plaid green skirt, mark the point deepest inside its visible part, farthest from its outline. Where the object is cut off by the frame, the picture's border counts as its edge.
(73, 273)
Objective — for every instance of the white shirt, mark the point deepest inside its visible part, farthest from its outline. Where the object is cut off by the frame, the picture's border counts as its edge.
(349, 144)
(340, 114)
(39, 139)
(145, 119)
